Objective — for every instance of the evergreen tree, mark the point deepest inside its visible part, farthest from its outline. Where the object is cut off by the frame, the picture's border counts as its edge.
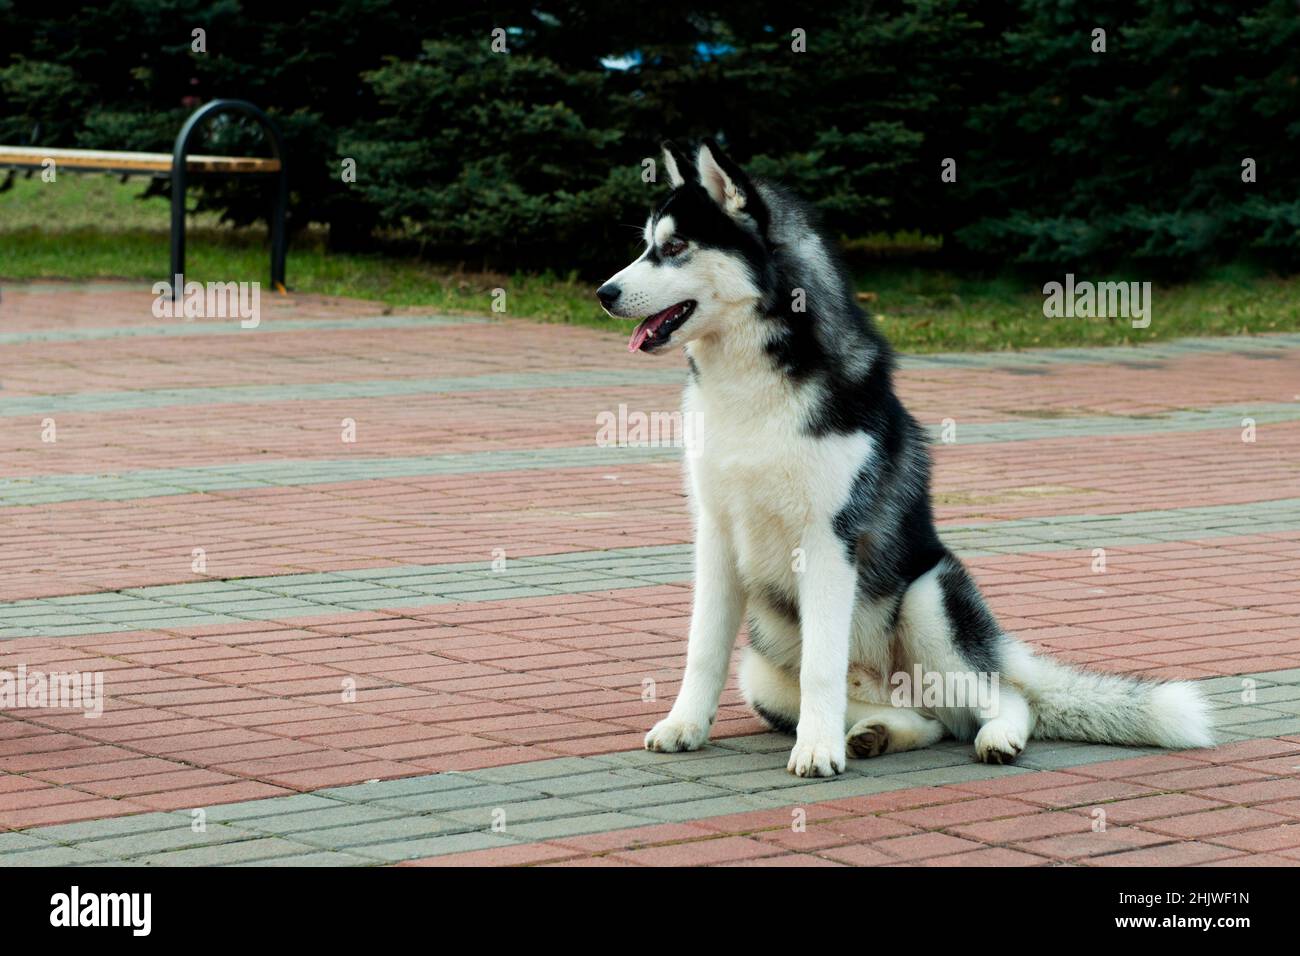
(1065, 155)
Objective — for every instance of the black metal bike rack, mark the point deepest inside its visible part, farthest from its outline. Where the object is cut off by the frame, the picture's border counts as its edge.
(179, 183)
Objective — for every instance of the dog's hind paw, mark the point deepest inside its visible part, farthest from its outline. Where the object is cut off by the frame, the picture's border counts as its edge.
(670, 736)
(817, 758)
(999, 741)
(867, 739)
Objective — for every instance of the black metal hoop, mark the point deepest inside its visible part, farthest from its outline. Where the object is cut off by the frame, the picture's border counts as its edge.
(179, 174)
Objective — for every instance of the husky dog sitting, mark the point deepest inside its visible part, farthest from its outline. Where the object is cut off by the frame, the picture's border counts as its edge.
(809, 487)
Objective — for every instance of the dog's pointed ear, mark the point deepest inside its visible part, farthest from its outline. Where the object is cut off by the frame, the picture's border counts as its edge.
(676, 164)
(726, 182)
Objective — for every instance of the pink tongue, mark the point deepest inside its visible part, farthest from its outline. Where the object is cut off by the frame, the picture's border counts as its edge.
(640, 335)
(645, 328)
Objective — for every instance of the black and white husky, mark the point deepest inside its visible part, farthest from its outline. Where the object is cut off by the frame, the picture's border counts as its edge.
(809, 485)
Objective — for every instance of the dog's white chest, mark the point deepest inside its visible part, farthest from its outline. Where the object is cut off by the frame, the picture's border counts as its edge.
(764, 479)
(758, 493)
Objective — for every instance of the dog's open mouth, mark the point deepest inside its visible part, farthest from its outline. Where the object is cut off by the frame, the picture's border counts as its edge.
(655, 330)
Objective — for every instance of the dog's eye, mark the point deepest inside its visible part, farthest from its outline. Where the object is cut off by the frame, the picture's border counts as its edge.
(673, 247)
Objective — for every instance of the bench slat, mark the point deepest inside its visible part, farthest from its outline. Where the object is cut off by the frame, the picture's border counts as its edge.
(104, 160)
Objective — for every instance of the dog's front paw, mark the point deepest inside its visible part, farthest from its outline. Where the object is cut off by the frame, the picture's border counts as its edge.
(670, 736)
(998, 741)
(813, 757)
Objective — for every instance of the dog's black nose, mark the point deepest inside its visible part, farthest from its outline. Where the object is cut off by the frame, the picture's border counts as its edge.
(608, 294)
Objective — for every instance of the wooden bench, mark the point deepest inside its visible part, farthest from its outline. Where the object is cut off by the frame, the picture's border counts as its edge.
(128, 164)
(177, 166)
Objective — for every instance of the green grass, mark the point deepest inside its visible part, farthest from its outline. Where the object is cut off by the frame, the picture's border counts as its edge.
(94, 227)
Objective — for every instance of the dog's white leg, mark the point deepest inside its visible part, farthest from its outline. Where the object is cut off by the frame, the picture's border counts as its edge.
(715, 619)
(1003, 735)
(827, 590)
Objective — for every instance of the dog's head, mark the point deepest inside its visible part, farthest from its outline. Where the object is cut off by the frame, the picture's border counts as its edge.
(706, 253)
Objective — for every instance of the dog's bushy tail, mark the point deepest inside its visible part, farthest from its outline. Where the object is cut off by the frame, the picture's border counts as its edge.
(1075, 704)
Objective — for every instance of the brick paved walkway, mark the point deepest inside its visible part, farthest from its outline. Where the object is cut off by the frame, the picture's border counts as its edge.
(353, 675)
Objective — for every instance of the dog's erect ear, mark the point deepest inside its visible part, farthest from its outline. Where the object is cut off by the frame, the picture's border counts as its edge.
(676, 164)
(726, 182)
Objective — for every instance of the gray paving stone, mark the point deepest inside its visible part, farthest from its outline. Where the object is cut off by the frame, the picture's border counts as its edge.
(523, 812)
(719, 766)
(578, 826)
(761, 743)
(267, 807)
(177, 838)
(15, 842)
(433, 846)
(485, 795)
(319, 858)
(1226, 736)
(1242, 714)
(837, 788)
(335, 816)
(401, 787)
(1283, 706)
(52, 856)
(378, 831)
(114, 864)
(712, 807)
(1280, 727)
(1036, 758)
(1291, 676)
(226, 853)
(928, 758)
(580, 783)
(963, 774)
(653, 796)
(756, 781)
(113, 827)
(561, 768)
(1264, 695)
(647, 759)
